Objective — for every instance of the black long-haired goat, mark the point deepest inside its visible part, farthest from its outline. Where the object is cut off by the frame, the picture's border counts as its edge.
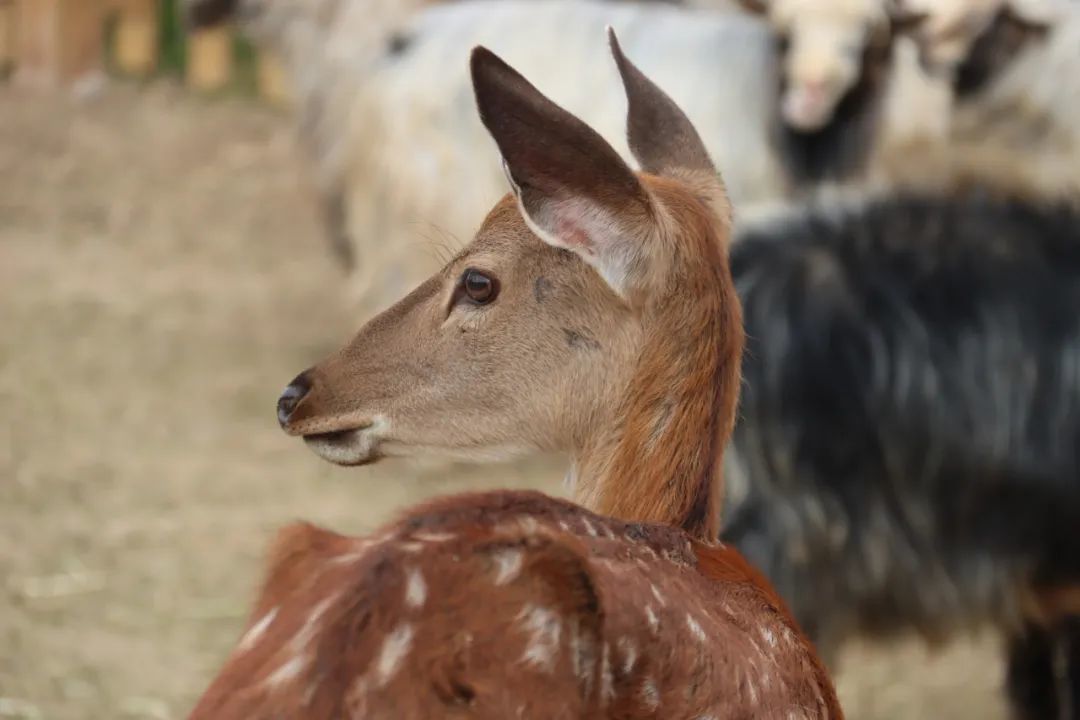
(908, 450)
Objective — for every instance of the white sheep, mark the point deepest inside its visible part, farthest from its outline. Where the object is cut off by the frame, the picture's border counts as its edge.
(853, 100)
(390, 127)
(1015, 68)
(328, 48)
(393, 144)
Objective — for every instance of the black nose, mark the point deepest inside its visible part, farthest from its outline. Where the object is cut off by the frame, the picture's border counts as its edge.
(292, 396)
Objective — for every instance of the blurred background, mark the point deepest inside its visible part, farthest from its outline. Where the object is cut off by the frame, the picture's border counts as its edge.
(181, 232)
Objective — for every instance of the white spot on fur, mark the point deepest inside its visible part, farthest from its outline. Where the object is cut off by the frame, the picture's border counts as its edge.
(415, 589)
(410, 547)
(252, 636)
(433, 537)
(751, 688)
(529, 524)
(650, 695)
(564, 526)
(675, 558)
(307, 632)
(309, 694)
(769, 637)
(544, 630)
(656, 594)
(507, 565)
(287, 672)
(607, 678)
(394, 649)
(589, 528)
(357, 697)
(695, 629)
(629, 653)
(654, 622)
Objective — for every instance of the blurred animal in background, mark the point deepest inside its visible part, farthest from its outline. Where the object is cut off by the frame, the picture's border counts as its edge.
(850, 94)
(613, 286)
(384, 112)
(1014, 66)
(329, 48)
(908, 451)
(405, 165)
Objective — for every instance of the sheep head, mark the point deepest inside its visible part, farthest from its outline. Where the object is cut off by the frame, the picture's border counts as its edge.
(956, 30)
(827, 46)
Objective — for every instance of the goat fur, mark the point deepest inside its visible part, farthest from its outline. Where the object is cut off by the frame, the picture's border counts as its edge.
(907, 457)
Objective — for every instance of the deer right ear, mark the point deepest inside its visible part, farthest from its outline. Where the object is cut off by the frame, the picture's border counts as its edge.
(574, 190)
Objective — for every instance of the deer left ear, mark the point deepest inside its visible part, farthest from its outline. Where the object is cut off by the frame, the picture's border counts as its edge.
(573, 189)
(662, 138)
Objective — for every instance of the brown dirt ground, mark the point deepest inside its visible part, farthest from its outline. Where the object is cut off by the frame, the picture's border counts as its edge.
(162, 275)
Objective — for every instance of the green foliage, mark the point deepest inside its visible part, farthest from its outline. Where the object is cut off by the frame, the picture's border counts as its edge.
(173, 58)
(173, 49)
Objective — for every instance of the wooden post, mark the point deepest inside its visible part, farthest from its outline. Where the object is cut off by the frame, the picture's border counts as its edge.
(59, 40)
(210, 59)
(273, 84)
(7, 36)
(136, 41)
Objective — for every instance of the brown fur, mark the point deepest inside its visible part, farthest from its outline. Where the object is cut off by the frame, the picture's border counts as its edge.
(689, 359)
(633, 603)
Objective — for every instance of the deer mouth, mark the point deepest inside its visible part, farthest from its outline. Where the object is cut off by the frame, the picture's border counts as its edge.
(350, 448)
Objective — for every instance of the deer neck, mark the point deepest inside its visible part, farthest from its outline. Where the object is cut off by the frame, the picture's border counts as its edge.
(657, 456)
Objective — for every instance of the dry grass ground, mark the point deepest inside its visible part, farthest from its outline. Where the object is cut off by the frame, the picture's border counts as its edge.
(162, 276)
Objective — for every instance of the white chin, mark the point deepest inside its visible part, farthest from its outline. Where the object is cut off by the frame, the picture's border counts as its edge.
(350, 447)
(805, 114)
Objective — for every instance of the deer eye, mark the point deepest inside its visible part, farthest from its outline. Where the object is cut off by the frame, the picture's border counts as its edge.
(479, 287)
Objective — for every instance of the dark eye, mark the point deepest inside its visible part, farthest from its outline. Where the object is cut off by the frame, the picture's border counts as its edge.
(479, 287)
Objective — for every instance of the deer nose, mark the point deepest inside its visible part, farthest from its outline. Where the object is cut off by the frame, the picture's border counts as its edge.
(291, 397)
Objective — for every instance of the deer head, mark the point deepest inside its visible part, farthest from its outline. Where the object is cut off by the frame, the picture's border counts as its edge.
(593, 313)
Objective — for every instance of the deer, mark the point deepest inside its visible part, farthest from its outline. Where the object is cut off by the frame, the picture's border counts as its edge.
(594, 313)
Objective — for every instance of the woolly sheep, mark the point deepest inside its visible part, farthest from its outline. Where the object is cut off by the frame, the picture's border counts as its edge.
(1014, 66)
(907, 457)
(394, 139)
(392, 145)
(851, 93)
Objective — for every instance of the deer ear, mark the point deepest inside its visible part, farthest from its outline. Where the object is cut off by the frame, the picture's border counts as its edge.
(662, 138)
(574, 190)
(660, 135)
